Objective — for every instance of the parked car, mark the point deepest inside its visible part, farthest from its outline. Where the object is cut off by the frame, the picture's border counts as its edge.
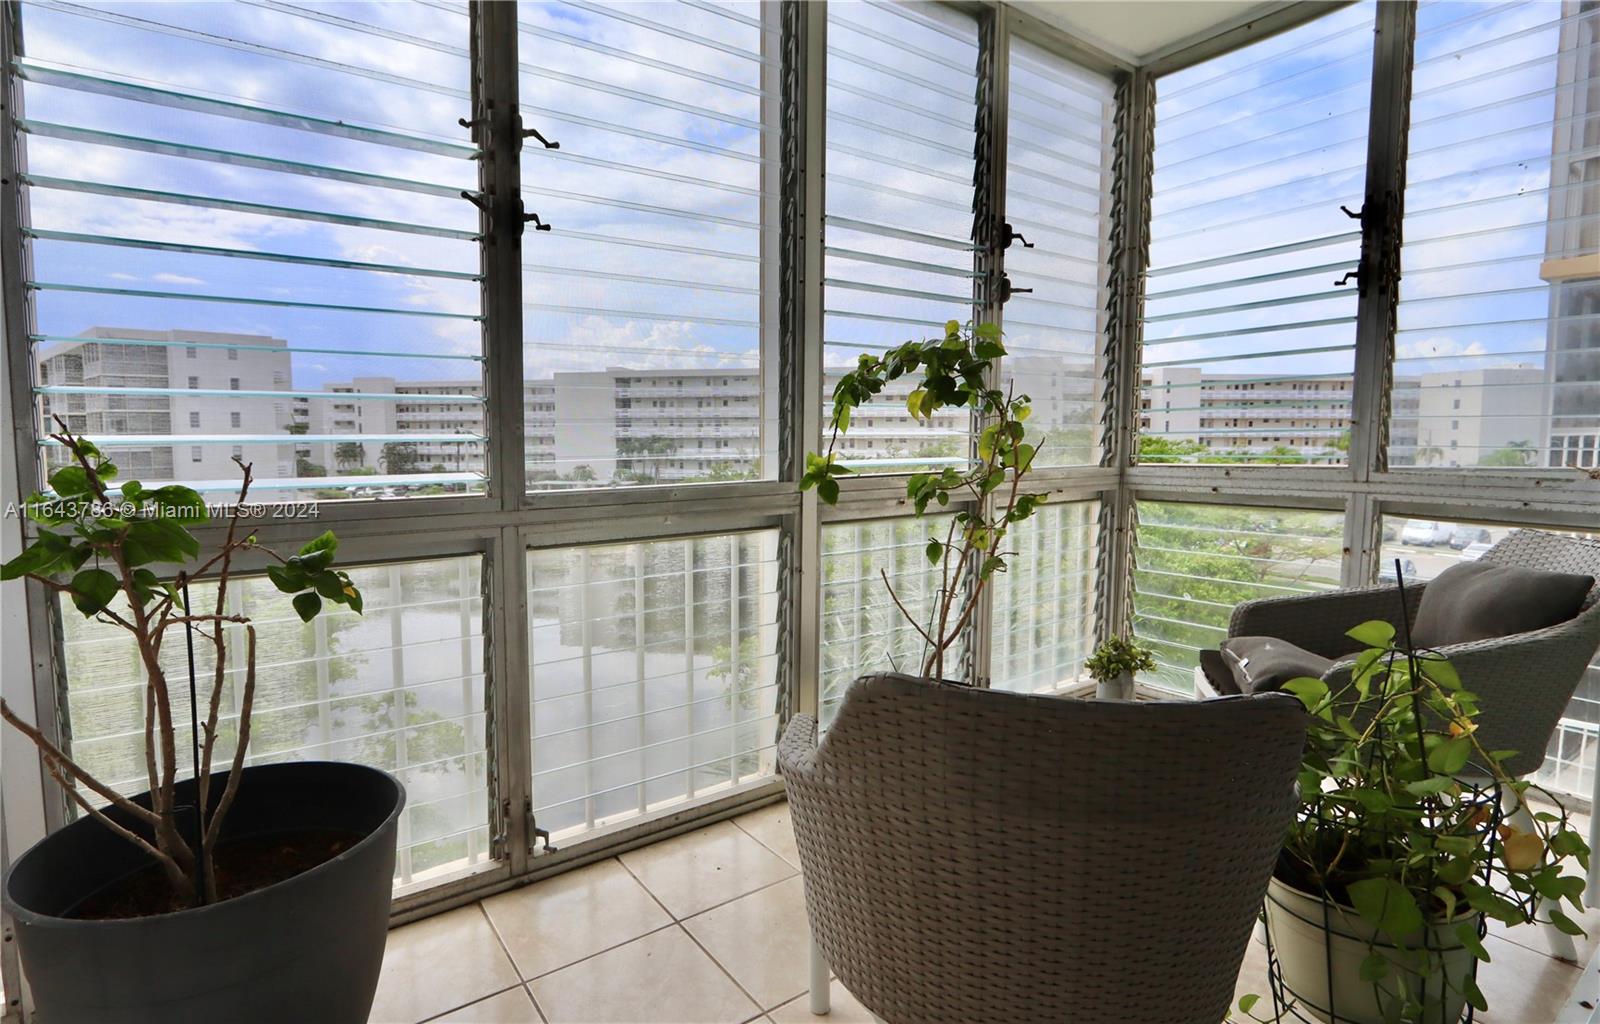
(1426, 533)
(1475, 550)
(1463, 537)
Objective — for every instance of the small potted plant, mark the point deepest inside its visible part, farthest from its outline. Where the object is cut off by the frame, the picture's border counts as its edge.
(1114, 664)
(1377, 908)
(956, 371)
(245, 894)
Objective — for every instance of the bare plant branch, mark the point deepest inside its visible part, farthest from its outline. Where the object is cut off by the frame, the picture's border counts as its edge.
(53, 754)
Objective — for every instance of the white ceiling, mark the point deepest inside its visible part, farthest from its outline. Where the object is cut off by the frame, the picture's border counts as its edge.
(1135, 29)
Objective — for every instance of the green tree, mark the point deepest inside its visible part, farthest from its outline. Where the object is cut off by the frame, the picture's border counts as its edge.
(305, 467)
(1162, 449)
(1517, 454)
(652, 450)
(582, 473)
(1194, 563)
(349, 453)
(399, 457)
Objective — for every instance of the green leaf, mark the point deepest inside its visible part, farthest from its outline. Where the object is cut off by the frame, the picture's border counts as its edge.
(70, 481)
(159, 540)
(1310, 691)
(1248, 1002)
(1468, 934)
(39, 558)
(93, 589)
(1451, 756)
(179, 505)
(988, 350)
(1430, 786)
(326, 542)
(289, 579)
(1565, 923)
(1373, 633)
(935, 552)
(307, 605)
(828, 491)
(1473, 993)
(1375, 967)
(132, 489)
(952, 327)
(330, 586)
(1386, 905)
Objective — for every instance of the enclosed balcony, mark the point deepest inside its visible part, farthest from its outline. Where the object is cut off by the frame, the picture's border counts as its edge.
(622, 389)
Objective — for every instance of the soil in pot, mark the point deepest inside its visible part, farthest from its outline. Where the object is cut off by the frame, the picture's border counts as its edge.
(243, 865)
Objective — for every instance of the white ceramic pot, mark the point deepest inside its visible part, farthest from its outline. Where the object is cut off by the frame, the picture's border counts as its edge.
(1295, 926)
(1120, 688)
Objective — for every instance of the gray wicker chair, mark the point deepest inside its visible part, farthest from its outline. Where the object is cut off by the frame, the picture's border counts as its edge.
(1524, 682)
(975, 855)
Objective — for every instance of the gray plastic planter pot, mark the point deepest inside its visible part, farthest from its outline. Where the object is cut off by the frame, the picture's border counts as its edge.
(307, 949)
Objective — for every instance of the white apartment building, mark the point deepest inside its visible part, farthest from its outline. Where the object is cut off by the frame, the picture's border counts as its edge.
(203, 398)
(1465, 417)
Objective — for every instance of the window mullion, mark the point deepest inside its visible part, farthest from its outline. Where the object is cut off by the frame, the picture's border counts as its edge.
(1381, 215)
(1379, 274)
(497, 128)
(498, 131)
(1132, 168)
(988, 218)
(804, 46)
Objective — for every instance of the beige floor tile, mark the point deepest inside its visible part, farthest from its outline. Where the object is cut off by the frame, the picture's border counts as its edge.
(761, 939)
(1524, 987)
(773, 828)
(514, 1006)
(697, 871)
(594, 908)
(843, 1010)
(663, 978)
(440, 964)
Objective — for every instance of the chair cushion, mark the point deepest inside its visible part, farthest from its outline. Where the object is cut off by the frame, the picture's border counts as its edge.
(1219, 673)
(1264, 663)
(1481, 600)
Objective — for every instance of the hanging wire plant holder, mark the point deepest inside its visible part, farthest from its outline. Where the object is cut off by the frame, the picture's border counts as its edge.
(1434, 970)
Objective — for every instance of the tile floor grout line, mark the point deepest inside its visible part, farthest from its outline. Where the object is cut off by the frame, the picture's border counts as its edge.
(768, 846)
(760, 1010)
(522, 982)
(598, 952)
(463, 1006)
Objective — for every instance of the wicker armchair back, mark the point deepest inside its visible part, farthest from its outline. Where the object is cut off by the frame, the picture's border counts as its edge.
(974, 855)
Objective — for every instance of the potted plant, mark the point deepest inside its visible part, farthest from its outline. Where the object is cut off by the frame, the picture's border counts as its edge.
(955, 371)
(1114, 664)
(1377, 908)
(256, 894)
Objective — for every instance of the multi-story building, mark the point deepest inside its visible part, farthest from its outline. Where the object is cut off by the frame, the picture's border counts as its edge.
(1489, 416)
(1243, 413)
(1572, 244)
(204, 399)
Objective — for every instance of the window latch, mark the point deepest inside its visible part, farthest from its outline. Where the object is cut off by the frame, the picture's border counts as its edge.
(535, 833)
(538, 225)
(1006, 289)
(1347, 276)
(1010, 234)
(1353, 214)
(536, 134)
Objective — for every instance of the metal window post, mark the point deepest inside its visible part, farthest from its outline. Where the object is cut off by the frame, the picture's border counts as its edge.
(804, 43)
(497, 129)
(1382, 215)
(1132, 167)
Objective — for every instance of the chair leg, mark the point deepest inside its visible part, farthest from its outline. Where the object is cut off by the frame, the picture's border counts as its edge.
(819, 981)
(1560, 943)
